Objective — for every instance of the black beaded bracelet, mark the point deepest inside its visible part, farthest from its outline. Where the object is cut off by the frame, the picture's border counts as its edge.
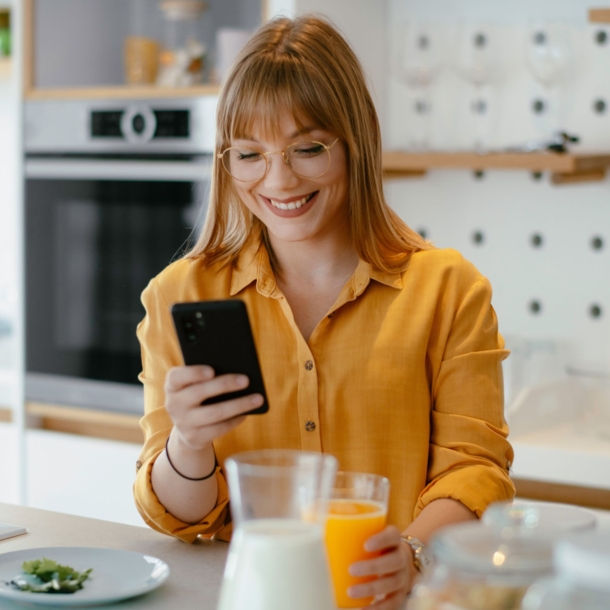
(183, 476)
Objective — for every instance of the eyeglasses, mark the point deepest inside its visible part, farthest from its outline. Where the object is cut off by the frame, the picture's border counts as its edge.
(305, 159)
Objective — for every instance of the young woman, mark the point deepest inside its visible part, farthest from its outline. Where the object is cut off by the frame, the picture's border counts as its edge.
(375, 347)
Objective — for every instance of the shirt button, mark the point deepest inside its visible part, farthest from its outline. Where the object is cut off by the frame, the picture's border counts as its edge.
(310, 426)
(509, 465)
(330, 315)
(308, 365)
(138, 465)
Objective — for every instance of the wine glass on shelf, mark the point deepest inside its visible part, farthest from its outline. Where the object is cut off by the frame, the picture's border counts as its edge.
(420, 63)
(549, 55)
(478, 63)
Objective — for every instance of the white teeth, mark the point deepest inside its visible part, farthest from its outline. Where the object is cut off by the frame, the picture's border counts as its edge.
(293, 205)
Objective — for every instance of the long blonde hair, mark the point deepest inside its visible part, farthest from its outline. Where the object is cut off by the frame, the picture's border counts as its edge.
(306, 67)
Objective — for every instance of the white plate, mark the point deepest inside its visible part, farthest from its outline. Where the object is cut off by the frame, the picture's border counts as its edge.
(561, 517)
(116, 575)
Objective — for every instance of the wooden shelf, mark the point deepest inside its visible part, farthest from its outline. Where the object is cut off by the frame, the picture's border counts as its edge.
(119, 92)
(599, 15)
(5, 68)
(85, 422)
(565, 168)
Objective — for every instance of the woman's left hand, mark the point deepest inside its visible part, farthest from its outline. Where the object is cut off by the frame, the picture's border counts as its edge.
(394, 570)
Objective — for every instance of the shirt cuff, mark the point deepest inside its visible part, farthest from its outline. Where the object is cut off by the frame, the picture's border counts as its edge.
(476, 487)
(157, 517)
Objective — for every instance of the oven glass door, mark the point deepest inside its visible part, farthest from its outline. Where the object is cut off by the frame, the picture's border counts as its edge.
(92, 246)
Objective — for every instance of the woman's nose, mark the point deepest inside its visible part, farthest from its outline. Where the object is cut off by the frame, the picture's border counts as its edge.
(279, 174)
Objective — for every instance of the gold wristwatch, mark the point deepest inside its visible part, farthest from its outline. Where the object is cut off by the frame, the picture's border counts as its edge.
(422, 557)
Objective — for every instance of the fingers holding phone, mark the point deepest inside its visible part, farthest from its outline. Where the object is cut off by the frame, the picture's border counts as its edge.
(187, 387)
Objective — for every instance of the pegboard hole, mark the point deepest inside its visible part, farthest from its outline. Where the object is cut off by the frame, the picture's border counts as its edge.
(478, 106)
(538, 106)
(478, 238)
(478, 174)
(422, 107)
(601, 37)
(537, 240)
(423, 42)
(539, 38)
(595, 311)
(597, 243)
(537, 176)
(479, 40)
(423, 233)
(535, 307)
(600, 106)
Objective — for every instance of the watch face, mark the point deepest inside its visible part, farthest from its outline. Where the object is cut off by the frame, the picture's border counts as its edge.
(424, 556)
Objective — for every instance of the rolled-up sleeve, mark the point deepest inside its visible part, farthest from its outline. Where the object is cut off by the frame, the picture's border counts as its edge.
(469, 454)
(160, 352)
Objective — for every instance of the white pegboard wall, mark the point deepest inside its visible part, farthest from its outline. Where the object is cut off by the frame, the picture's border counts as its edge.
(540, 245)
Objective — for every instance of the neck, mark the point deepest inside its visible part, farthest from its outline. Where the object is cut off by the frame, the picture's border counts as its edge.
(314, 262)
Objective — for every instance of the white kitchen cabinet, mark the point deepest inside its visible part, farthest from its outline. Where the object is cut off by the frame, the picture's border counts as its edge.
(9, 470)
(81, 476)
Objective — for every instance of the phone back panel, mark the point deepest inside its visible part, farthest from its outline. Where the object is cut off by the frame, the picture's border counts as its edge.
(218, 333)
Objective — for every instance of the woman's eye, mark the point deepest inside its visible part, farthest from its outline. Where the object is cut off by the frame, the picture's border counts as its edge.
(248, 156)
(308, 150)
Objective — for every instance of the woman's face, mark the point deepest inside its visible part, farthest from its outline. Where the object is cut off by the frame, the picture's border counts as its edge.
(324, 201)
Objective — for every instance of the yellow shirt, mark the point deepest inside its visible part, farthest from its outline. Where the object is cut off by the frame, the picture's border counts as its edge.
(402, 378)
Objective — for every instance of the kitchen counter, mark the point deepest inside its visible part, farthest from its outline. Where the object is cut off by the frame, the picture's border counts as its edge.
(196, 569)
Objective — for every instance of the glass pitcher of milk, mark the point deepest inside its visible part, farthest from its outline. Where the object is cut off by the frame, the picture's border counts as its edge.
(277, 558)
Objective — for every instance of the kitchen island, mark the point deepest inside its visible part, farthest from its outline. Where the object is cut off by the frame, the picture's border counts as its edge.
(196, 569)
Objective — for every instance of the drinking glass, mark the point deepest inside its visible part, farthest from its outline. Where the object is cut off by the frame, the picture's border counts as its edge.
(549, 57)
(357, 511)
(479, 63)
(420, 63)
(279, 503)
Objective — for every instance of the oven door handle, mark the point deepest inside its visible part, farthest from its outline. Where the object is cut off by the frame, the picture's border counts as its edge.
(124, 170)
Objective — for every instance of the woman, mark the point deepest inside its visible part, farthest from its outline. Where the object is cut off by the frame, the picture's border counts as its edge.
(375, 347)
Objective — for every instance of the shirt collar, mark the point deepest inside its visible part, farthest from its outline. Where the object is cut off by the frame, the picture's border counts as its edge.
(253, 265)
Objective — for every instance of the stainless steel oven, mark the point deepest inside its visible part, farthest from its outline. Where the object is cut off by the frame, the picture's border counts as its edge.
(113, 194)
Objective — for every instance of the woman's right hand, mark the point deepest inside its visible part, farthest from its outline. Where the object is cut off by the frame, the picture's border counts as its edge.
(186, 387)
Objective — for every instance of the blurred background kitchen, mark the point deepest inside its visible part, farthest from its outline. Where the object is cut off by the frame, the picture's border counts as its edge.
(497, 143)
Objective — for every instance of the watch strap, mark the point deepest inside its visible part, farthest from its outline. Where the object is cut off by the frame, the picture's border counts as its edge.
(421, 558)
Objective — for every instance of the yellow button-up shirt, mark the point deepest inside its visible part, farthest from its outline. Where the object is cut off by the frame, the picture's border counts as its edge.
(402, 378)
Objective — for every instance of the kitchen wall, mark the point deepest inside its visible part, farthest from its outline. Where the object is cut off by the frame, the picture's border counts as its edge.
(545, 248)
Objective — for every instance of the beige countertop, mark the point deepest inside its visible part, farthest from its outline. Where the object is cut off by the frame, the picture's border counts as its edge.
(196, 569)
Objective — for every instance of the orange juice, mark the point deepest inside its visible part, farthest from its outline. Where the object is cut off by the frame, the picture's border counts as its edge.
(350, 524)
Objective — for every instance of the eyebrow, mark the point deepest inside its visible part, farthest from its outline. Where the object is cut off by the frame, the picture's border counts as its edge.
(298, 132)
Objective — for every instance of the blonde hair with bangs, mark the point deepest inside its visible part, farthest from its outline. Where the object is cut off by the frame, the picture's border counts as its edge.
(306, 67)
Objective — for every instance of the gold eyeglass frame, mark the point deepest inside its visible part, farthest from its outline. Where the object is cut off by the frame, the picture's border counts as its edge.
(284, 157)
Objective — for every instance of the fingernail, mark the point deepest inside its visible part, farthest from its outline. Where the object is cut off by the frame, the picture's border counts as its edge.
(256, 399)
(355, 570)
(354, 592)
(242, 381)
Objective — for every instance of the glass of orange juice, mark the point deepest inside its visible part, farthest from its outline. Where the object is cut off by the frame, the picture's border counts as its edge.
(357, 511)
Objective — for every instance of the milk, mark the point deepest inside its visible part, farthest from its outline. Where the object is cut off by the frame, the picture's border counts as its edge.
(276, 564)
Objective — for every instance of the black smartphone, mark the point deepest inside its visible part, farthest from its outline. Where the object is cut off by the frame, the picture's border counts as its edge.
(218, 333)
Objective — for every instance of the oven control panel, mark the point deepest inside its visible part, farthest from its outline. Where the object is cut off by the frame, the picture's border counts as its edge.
(159, 126)
(140, 123)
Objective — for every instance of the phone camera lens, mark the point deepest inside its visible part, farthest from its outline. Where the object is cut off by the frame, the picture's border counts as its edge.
(199, 315)
(188, 325)
(192, 337)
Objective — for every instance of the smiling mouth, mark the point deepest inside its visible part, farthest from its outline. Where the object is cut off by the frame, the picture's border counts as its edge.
(293, 205)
